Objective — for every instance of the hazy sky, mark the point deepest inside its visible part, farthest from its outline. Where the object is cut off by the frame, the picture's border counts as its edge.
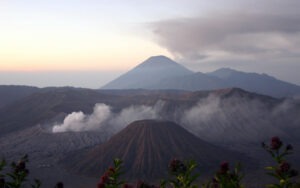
(87, 43)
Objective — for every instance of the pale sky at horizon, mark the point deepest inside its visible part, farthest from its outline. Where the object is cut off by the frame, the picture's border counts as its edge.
(88, 43)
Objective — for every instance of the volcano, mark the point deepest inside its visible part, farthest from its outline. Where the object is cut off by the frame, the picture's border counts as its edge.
(148, 74)
(146, 147)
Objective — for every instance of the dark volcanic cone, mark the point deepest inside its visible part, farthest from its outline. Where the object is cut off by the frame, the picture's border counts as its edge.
(146, 147)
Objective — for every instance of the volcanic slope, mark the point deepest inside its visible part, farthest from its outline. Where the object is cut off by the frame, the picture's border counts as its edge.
(146, 147)
(148, 74)
(12, 93)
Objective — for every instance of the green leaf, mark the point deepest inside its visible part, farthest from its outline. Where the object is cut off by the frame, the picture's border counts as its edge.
(270, 168)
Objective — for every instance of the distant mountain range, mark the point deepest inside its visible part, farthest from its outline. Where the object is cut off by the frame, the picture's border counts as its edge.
(10, 93)
(160, 72)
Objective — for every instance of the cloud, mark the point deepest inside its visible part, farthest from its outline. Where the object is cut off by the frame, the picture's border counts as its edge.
(251, 36)
(240, 35)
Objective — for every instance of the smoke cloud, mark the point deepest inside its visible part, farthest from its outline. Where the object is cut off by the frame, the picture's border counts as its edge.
(205, 110)
(134, 113)
(237, 118)
(103, 118)
(78, 121)
(264, 39)
(214, 118)
(236, 34)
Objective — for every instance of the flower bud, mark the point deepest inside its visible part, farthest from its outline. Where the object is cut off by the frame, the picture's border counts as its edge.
(224, 167)
(100, 185)
(275, 143)
(176, 166)
(284, 167)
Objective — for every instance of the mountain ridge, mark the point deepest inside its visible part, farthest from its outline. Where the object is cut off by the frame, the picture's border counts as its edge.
(260, 83)
(11, 93)
(160, 72)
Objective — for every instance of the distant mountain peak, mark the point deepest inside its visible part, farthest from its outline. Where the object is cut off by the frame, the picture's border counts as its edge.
(147, 74)
(227, 72)
(160, 60)
(158, 57)
(224, 72)
(234, 91)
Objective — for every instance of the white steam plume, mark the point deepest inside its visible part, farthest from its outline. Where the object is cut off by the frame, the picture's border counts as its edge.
(103, 118)
(78, 121)
(238, 118)
(204, 111)
(212, 118)
(134, 113)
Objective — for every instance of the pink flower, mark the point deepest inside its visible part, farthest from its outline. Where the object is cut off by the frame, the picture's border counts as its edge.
(176, 166)
(224, 167)
(284, 167)
(100, 185)
(275, 143)
(112, 170)
(104, 178)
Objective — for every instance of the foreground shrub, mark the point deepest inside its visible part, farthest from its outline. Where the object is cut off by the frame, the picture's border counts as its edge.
(16, 176)
(282, 170)
(110, 179)
(181, 174)
(224, 178)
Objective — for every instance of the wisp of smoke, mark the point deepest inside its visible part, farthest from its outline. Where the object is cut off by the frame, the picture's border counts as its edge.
(134, 113)
(212, 118)
(204, 111)
(78, 121)
(102, 117)
(239, 118)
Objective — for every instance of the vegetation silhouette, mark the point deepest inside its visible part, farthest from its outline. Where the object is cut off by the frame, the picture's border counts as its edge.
(181, 173)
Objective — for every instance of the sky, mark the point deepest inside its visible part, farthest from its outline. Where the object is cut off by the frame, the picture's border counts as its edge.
(87, 43)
